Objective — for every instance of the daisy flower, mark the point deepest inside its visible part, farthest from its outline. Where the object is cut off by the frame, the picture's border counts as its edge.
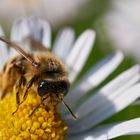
(91, 109)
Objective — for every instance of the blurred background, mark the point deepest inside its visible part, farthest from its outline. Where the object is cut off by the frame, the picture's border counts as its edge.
(116, 22)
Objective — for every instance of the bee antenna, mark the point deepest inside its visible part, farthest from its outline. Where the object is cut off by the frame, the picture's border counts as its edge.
(20, 51)
(68, 108)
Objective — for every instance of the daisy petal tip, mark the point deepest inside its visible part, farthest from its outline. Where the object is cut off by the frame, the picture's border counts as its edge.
(19, 30)
(63, 42)
(91, 33)
(120, 54)
(33, 27)
(80, 52)
(137, 68)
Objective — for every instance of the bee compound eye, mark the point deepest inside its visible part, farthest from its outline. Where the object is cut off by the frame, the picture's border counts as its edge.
(53, 87)
(42, 88)
(64, 85)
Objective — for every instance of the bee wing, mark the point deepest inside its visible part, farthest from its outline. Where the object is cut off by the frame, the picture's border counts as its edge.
(31, 34)
(3, 51)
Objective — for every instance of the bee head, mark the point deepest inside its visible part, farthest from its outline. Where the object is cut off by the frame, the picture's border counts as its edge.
(56, 87)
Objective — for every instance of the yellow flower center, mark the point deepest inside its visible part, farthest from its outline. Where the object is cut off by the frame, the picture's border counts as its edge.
(42, 125)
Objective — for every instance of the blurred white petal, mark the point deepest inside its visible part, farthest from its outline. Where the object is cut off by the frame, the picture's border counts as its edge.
(95, 76)
(55, 11)
(79, 53)
(19, 32)
(30, 27)
(123, 25)
(110, 131)
(3, 51)
(40, 30)
(105, 104)
(63, 43)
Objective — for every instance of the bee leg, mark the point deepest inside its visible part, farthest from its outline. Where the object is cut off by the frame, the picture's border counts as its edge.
(10, 74)
(18, 85)
(28, 86)
(17, 101)
(3, 94)
(37, 106)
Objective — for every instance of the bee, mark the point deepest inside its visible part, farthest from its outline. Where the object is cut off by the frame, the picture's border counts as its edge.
(40, 70)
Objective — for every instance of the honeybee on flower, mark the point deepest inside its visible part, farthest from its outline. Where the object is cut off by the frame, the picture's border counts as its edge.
(108, 100)
(38, 69)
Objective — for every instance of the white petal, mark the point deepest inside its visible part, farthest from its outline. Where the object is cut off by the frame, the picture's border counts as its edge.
(3, 51)
(95, 76)
(113, 88)
(40, 30)
(79, 53)
(63, 42)
(30, 27)
(20, 31)
(46, 40)
(110, 131)
(130, 127)
(90, 136)
(104, 104)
